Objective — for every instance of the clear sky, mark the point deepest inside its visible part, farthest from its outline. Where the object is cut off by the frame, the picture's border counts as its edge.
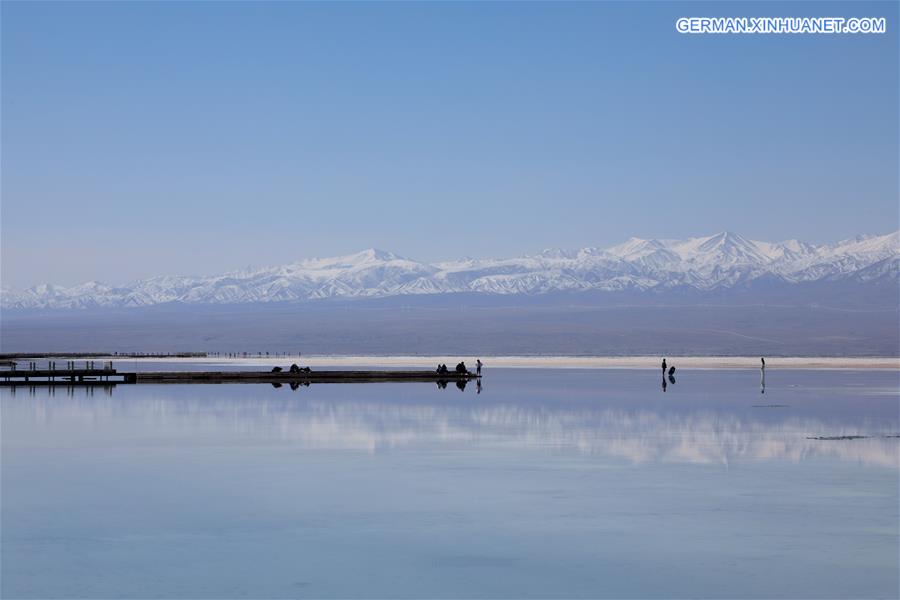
(179, 138)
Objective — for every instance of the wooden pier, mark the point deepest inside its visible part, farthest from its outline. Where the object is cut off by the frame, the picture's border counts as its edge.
(107, 376)
(63, 377)
(301, 377)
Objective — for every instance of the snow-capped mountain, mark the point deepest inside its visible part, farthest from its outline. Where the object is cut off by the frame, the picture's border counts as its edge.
(707, 263)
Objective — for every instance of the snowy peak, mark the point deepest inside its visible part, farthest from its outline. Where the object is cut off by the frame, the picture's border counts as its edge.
(557, 254)
(359, 259)
(867, 244)
(651, 254)
(373, 255)
(728, 243)
(722, 249)
(706, 263)
(787, 250)
(636, 248)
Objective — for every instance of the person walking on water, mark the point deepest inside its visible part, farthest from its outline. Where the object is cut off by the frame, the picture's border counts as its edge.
(478, 364)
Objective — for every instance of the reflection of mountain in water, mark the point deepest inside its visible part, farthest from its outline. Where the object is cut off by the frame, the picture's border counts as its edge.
(638, 436)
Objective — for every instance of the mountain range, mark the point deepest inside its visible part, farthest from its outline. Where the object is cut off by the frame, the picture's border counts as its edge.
(702, 264)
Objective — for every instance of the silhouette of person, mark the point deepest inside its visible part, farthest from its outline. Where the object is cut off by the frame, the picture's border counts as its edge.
(478, 364)
(664, 366)
(664, 383)
(762, 376)
(461, 384)
(478, 386)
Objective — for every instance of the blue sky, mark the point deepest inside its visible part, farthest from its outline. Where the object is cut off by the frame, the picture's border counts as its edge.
(178, 138)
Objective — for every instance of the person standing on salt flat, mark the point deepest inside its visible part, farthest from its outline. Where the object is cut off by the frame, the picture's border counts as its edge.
(478, 364)
(762, 376)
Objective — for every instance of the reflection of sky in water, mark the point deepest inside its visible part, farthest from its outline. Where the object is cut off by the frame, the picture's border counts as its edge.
(561, 483)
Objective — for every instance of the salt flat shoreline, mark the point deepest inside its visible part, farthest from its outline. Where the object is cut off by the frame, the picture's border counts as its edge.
(550, 362)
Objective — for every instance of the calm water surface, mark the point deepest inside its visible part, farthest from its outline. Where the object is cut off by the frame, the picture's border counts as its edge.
(566, 483)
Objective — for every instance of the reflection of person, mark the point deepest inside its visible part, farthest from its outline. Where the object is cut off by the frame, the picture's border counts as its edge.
(762, 376)
(664, 383)
(477, 386)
